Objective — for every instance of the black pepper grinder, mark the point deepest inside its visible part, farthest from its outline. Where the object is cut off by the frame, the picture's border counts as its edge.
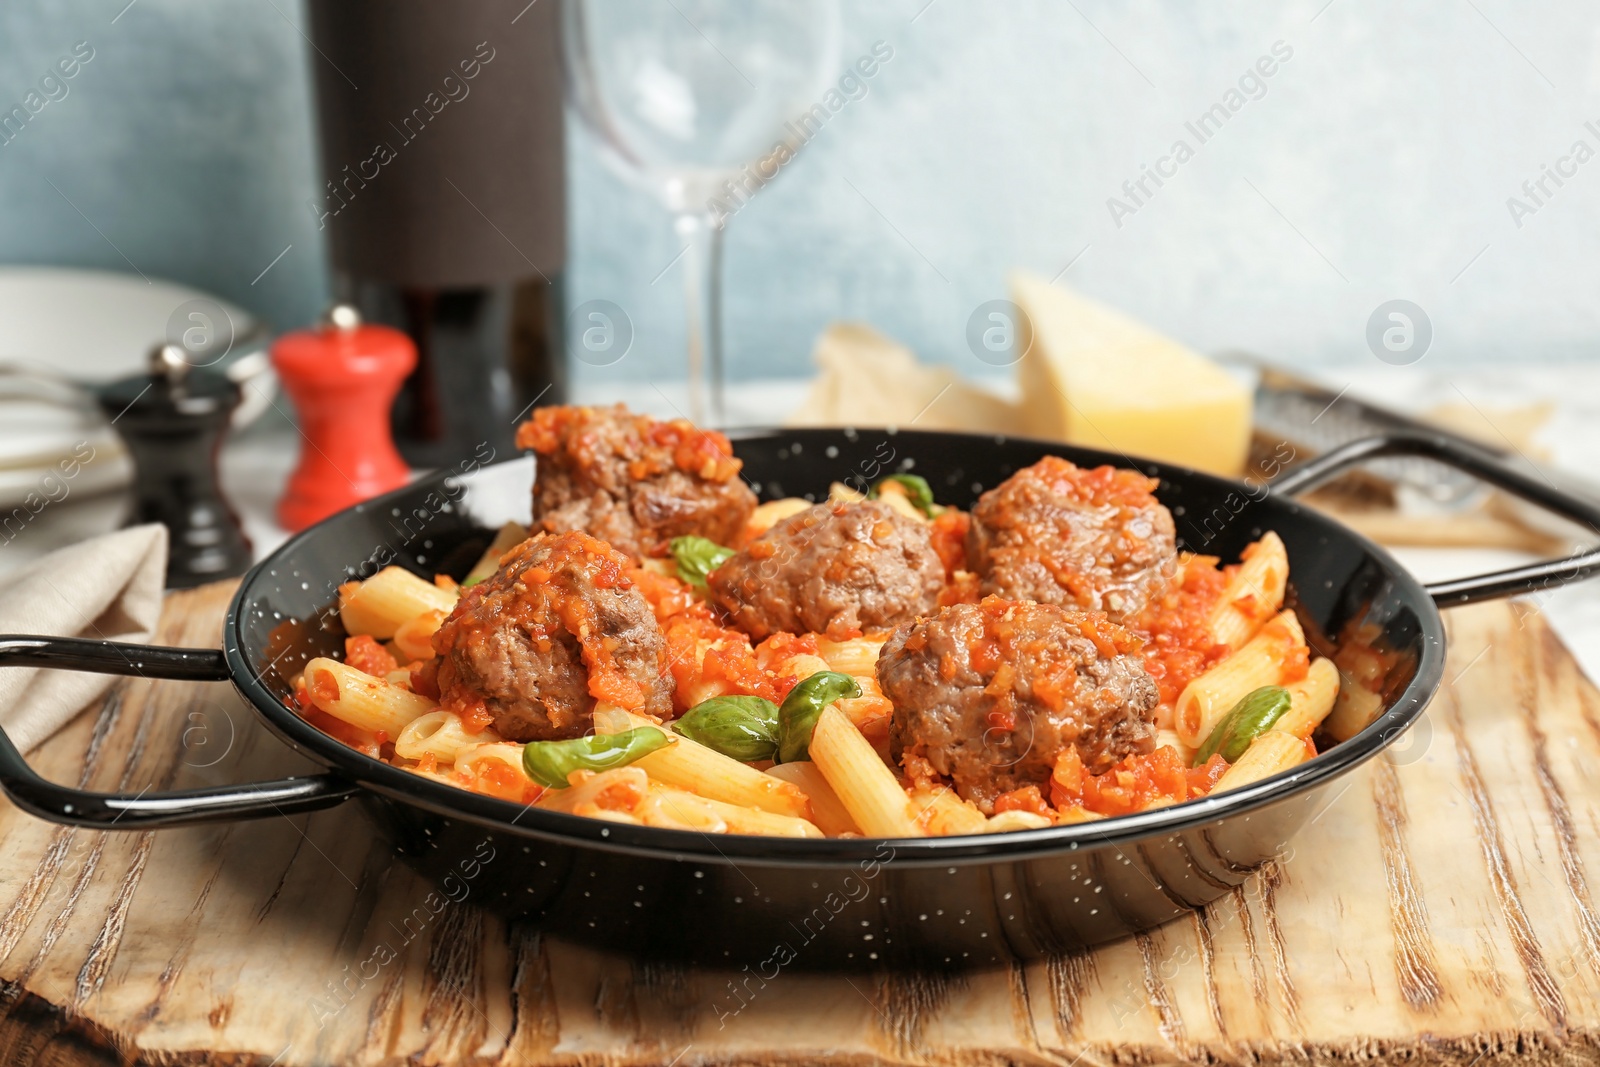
(172, 420)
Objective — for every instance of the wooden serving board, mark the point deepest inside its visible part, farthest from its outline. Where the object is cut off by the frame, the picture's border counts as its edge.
(1440, 909)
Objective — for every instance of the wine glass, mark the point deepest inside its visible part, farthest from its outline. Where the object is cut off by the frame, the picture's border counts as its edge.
(696, 99)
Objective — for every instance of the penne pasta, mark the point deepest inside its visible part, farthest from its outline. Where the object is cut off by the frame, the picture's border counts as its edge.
(1354, 708)
(866, 786)
(698, 769)
(768, 515)
(1253, 595)
(735, 818)
(803, 666)
(941, 812)
(361, 700)
(841, 493)
(1310, 699)
(673, 809)
(857, 656)
(505, 539)
(470, 760)
(827, 811)
(894, 495)
(432, 775)
(393, 596)
(1268, 754)
(1260, 662)
(440, 734)
(1015, 820)
(871, 710)
(618, 790)
(414, 637)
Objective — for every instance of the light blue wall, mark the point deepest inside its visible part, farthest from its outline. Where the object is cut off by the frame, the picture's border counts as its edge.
(185, 140)
(1377, 165)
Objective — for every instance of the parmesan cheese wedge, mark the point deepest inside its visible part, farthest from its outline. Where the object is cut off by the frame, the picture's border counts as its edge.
(1096, 378)
(868, 379)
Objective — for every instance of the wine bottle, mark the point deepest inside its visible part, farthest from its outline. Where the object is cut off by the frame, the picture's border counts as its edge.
(443, 204)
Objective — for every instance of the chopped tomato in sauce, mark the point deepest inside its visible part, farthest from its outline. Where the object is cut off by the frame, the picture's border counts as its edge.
(1137, 783)
(364, 653)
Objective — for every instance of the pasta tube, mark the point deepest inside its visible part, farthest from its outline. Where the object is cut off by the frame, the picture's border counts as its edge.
(1310, 699)
(440, 734)
(619, 791)
(941, 813)
(492, 754)
(508, 537)
(858, 656)
(1354, 708)
(1268, 754)
(1260, 662)
(827, 810)
(866, 786)
(768, 515)
(414, 637)
(735, 818)
(362, 700)
(1015, 820)
(692, 766)
(379, 605)
(1253, 595)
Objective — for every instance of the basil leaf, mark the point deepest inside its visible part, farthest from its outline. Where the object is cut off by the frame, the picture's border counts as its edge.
(1247, 720)
(797, 716)
(697, 557)
(918, 491)
(549, 762)
(743, 727)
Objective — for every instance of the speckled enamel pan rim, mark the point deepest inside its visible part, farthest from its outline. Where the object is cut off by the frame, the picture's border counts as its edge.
(691, 846)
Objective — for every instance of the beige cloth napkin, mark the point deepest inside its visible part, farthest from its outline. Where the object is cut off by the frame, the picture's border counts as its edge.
(106, 588)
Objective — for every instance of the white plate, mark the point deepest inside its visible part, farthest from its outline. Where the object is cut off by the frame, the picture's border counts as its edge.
(60, 326)
(97, 326)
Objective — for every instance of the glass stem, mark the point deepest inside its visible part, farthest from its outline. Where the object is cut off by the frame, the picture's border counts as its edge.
(702, 273)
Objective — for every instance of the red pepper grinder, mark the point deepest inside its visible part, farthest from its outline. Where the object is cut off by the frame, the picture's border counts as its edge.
(343, 377)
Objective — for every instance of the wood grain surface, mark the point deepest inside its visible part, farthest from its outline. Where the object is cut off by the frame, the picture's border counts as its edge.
(1440, 910)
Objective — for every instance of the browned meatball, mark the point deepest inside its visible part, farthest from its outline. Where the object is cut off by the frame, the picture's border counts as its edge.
(632, 481)
(556, 628)
(1096, 540)
(835, 569)
(991, 693)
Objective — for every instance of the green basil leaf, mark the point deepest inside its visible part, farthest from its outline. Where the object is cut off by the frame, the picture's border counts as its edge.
(697, 557)
(743, 727)
(918, 491)
(549, 762)
(797, 716)
(1247, 720)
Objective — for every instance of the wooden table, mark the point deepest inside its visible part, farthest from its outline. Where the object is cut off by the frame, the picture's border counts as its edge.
(1440, 910)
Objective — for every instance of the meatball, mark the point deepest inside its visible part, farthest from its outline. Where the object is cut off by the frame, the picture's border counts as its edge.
(1055, 533)
(834, 568)
(632, 481)
(556, 628)
(989, 694)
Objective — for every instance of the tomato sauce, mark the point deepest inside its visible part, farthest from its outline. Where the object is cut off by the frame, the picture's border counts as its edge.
(1179, 646)
(1137, 783)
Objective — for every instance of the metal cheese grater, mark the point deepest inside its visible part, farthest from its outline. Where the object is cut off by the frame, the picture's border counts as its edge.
(1313, 419)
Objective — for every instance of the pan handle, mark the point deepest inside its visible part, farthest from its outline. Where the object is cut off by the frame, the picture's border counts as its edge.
(144, 810)
(1490, 468)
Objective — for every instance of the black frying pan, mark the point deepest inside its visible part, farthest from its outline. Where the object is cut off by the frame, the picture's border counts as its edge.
(771, 902)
